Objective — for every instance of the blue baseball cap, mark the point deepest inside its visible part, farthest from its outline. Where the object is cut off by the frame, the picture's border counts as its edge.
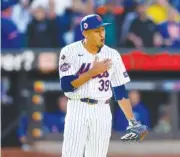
(91, 22)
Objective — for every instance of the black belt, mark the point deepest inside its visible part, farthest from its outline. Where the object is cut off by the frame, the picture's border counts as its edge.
(92, 101)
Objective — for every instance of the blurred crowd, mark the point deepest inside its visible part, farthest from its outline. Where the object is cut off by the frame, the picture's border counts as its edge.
(54, 122)
(55, 23)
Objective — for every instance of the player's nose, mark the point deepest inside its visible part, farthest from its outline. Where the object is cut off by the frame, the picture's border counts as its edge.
(102, 35)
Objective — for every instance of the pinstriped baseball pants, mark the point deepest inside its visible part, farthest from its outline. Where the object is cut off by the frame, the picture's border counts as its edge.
(87, 129)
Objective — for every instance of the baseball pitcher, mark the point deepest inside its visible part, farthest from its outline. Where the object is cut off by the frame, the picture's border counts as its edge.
(90, 72)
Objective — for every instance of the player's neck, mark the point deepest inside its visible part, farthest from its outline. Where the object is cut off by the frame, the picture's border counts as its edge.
(90, 47)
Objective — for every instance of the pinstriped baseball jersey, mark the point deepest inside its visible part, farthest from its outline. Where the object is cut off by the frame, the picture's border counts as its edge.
(75, 59)
(88, 127)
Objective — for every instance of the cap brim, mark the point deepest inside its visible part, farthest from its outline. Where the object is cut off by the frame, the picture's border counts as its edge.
(101, 25)
(104, 24)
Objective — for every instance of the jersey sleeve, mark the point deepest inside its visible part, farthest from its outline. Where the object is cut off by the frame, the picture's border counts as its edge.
(120, 75)
(66, 66)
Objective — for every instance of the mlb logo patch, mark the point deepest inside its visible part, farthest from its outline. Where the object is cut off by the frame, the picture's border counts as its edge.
(64, 67)
(125, 74)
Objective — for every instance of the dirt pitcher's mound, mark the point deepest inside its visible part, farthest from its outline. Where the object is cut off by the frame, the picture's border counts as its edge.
(152, 155)
(16, 152)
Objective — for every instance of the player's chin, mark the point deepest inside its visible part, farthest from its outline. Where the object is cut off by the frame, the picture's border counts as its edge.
(101, 44)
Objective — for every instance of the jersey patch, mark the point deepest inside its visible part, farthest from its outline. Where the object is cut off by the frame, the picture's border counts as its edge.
(65, 67)
(125, 74)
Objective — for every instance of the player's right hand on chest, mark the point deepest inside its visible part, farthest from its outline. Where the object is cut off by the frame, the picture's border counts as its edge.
(100, 67)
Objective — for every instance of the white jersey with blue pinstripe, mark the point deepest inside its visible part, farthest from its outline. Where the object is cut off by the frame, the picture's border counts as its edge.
(88, 126)
(75, 59)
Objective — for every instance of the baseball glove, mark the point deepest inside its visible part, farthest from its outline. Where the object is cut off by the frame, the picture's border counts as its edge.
(135, 132)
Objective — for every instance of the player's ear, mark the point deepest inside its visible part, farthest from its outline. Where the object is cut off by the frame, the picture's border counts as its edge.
(84, 34)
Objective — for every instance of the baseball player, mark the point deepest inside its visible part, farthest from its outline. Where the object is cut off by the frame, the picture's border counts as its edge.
(89, 73)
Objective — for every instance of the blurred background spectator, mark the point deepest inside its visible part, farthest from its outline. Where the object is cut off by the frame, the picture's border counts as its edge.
(164, 122)
(10, 35)
(59, 6)
(21, 16)
(140, 112)
(42, 32)
(111, 12)
(54, 122)
(170, 31)
(143, 32)
(80, 9)
(6, 98)
(158, 11)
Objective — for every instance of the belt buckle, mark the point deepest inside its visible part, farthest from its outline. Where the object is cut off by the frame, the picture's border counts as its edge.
(88, 102)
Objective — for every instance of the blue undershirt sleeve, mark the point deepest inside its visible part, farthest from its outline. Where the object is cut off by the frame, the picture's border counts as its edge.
(66, 83)
(120, 92)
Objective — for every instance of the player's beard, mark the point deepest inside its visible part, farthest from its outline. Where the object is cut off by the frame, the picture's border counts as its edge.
(99, 46)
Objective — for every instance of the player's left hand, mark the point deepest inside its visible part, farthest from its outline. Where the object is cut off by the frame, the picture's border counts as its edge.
(135, 132)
